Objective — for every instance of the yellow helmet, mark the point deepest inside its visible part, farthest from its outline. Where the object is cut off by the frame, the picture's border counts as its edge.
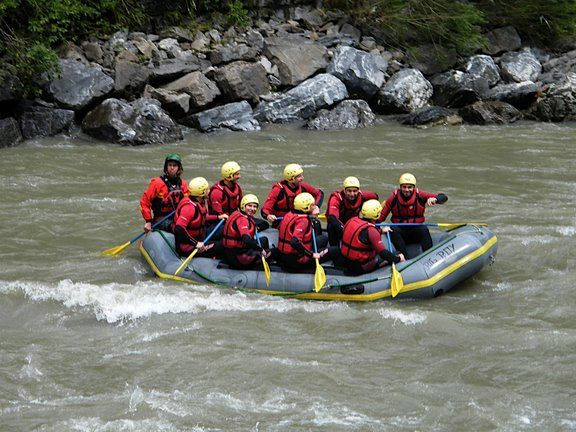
(247, 199)
(229, 169)
(304, 202)
(407, 178)
(371, 209)
(291, 171)
(198, 187)
(351, 182)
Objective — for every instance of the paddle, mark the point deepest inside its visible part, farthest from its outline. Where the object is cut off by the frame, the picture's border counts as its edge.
(319, 274)
(187, 260)
(119, 249)
(264, 263)
(439, 225)
(396, 282)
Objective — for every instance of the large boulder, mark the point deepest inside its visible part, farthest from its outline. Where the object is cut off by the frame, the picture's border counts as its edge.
(236, 116)
(230, 53)
(490, 112)
(45, 121)
(456, 89)
(520, 66)
(11, 88)
(242, 80)
(432, 59)
(501, 40)
(348, 114)
(432, 116)
(558, 102)
(78, 86)
(362, 72)
(406, 91)
(304, 100)
(163, 71)
(140, 122)
(483, 66)
(521, 95)
(130, 78)
(202, 91)
(297, 59)
(9, 132)
(176, 103)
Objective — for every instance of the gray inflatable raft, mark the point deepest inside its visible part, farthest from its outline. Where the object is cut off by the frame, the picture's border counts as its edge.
(456, 255)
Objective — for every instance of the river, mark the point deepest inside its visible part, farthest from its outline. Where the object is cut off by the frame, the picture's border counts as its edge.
(96, 343)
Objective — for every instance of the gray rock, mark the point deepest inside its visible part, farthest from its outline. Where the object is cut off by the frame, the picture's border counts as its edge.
(236, 116)
(304, 100)
(202, 90)
(130, 78)
(490, 112)
(11, 88)
(176, 103)
(9, 132)
(406, 91)
(242, 80)
(432, 59)
(502, 40)
(483, 66)
(348, 114)
(93, 51)
(78, 86)
(349, 30)
(232, 53)
(140, 122)
(520, 66)
(297, 59)
(363, 73)
(433, 116)
(45, 122)
(520, 95)
(165, 70)
(557, 102)
(455, 89)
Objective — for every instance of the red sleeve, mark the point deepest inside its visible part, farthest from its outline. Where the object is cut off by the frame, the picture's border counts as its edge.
(334, 205)
(386, 208)
(316, 193)
(301, 226)
(146, 200)
(375, 239)
(187, 213)
(368, 195)
(425, 195)
(185, 188)
(268, 207)
(243, 226)
(215, 201)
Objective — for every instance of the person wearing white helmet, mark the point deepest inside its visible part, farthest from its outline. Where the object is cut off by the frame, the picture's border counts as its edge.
(190, 222)
(362, 249)
(163, 194)
(280, 200)
(344, 204)
(295, 251)
(241, 249)
(407, 205)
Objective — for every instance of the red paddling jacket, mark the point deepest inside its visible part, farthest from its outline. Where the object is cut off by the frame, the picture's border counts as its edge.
(161, 197)
(362, 241)
(280, 200)
(224, 199)
(409, 210)
(342, 209)
(295, 236)
(237, 226)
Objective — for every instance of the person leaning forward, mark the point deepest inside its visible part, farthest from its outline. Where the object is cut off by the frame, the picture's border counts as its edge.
(163, 194)
(362, 249)
(280, 200)
(344, 204)
(407, 205)
(295, 251)
(190, 219)
(241, 249)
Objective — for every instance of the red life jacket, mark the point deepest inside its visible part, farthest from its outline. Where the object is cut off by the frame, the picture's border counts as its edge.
(232, 235)
(351, 247)
(346, 208)
(165, 203)
(195, 226)
(285, 201)
(286, 232)
(232, 198)
(411, 211)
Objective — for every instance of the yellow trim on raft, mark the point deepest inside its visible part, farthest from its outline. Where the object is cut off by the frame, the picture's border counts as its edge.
(350, 297)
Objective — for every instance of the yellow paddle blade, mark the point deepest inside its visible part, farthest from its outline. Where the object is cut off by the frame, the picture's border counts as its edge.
(396, 283)
(185, 263)
(116, 250)
(322, 217)
(456, 225)
(266, 271)
(319, 276)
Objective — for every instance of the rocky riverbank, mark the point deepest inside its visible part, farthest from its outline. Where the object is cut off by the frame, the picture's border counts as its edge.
(295, 64)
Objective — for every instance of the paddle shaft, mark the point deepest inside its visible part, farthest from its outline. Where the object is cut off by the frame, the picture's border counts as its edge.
(208, 237)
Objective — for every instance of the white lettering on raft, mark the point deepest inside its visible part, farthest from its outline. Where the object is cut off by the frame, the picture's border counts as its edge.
(441, 254)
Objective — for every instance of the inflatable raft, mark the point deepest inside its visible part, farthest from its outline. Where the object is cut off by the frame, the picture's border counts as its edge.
(456, 255)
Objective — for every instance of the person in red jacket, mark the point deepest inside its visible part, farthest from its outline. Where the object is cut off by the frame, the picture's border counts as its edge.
(295, 251)
(344, 204)
(362, 249)
(163, 194)
(241, 249)
(225, 195)
(407, 205)
(190, 220)
(280, 200)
